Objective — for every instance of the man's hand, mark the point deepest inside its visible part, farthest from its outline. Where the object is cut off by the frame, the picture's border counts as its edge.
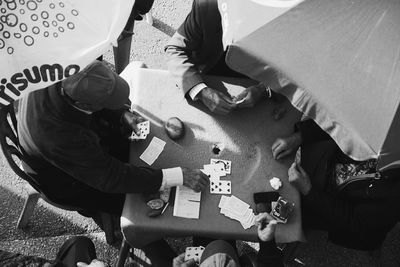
(299, 178)
(286, 146)
(216, 101)
(194, 179)
(131, 119)
(94, 263)
(179, 261)
(250, 96)
(266, 226)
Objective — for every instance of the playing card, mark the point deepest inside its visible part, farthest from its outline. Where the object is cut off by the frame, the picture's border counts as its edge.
(217, 169)
(234, 204)
(144, 130)
(194, 253)
(154, 150)
(226, 163)
(220, 187)
(237, 215)
(211, 175)
(237, 209)
(222, 201)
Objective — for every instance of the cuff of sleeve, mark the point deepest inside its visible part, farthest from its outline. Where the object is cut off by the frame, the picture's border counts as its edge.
(171, 177)
(193, 93)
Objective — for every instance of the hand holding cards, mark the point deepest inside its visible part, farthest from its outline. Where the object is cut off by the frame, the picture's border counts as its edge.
(282, 210)
(144, 130)
(194, 253)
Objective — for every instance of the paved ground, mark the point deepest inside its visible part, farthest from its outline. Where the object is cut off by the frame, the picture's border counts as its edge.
(50, 227)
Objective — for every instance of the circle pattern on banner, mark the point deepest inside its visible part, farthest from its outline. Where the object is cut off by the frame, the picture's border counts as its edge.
(27, 20)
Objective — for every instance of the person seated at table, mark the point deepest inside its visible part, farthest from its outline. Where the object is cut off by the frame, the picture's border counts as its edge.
(356, 216)
(75, 150)
(221, 253)
(196, 49)
(64, 130)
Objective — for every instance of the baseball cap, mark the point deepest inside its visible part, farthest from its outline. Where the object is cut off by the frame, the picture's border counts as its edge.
(98, 86)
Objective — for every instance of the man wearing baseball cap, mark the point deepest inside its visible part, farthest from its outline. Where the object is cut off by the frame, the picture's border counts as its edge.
(64, 131)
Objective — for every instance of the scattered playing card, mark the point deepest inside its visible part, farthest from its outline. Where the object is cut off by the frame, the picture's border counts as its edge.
(194, 253)
(227, 164)
(152, 152)
(220, 187)
(144, 130)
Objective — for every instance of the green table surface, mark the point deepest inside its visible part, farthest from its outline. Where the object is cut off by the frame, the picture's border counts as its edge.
(246, 136)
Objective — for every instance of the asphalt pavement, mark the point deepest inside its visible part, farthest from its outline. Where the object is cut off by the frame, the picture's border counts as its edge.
(49, 227)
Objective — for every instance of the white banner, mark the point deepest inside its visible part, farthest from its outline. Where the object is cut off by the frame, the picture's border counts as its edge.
(42, 42)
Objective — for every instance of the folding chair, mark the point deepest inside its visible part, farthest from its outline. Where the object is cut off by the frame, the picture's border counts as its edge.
(10, 146)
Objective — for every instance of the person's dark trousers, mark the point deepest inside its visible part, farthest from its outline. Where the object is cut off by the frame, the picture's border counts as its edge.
(159, 253)
(74, 250)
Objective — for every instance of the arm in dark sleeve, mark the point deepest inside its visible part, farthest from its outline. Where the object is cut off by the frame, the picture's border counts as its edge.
(83, 158)
(187, 40)
(311, 132)
(269, 255)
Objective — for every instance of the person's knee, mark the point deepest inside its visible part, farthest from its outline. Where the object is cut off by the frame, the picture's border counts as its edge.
(82, 243)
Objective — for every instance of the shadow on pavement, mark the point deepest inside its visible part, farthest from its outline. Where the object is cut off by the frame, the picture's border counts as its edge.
(45, 221)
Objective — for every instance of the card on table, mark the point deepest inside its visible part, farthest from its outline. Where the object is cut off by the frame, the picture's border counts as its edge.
(226, 163)
(217, 169)
(220, 187)
(194, 253)
(237, 209)
(236, 204)
(211, 175)
(154, 150)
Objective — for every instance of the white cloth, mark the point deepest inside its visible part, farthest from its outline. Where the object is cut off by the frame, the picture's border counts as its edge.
(196, 90)
(171, 177)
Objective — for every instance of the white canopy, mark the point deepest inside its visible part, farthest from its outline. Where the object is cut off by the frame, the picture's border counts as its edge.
(344, 55)
(42, 42)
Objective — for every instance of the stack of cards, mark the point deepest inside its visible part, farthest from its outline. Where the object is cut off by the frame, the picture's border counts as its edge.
(237, 209)
(144, 128)
(194, 253)
(215, 170)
